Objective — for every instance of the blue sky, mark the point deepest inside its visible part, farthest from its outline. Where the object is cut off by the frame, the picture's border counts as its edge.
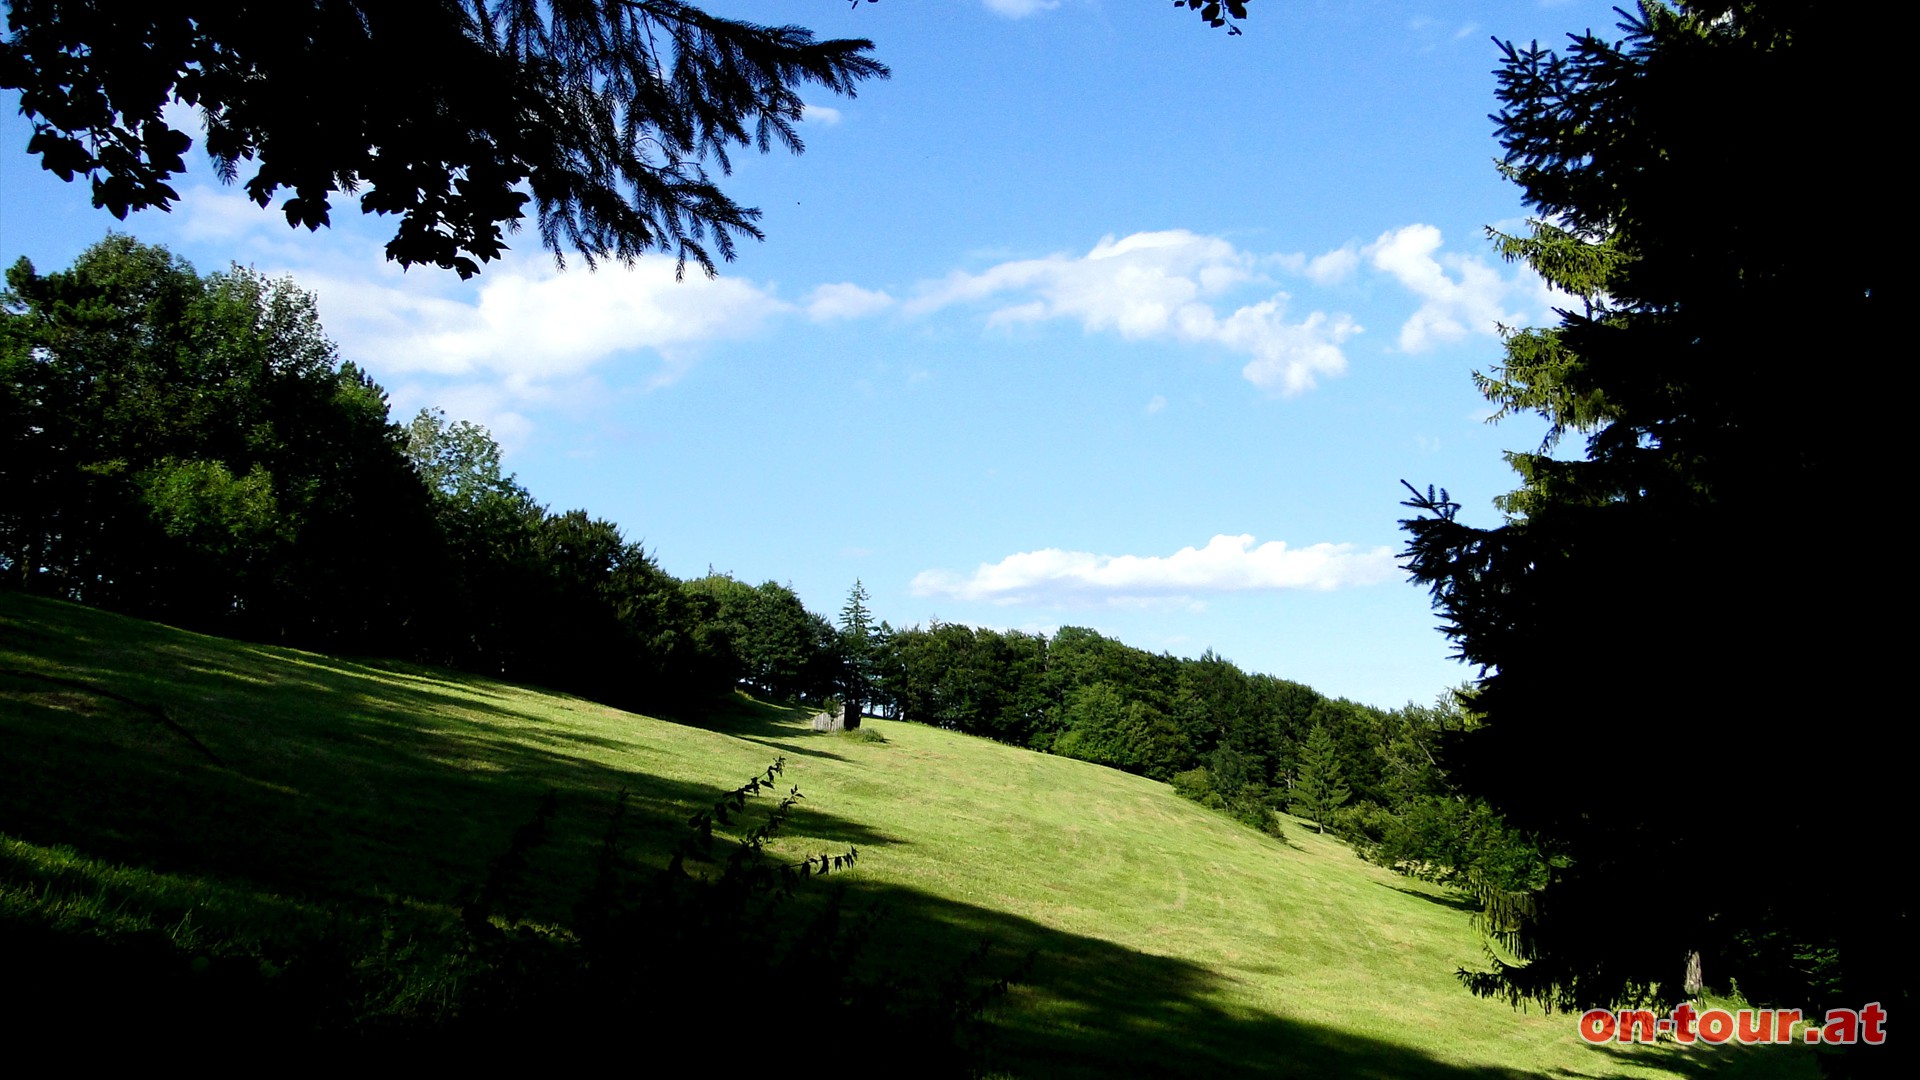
(1089, 316)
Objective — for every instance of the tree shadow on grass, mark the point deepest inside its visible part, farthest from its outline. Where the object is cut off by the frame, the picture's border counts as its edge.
(333, 779)
(1446, 900)
(795, 746)
(1089, 1008)
(785, 728)
(788, 728)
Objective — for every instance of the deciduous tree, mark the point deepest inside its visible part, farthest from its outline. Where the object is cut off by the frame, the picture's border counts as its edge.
(192, 447)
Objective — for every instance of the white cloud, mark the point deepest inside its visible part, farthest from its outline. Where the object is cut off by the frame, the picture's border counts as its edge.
(490, 406)
(1157, 405)
(530, 325)
(212, 214)
(522, 334)
(1159, 285)
(1134, 285)
(1226, 564)
(1333, 267)
(1467, 300)
(1287, 357)
(819, 114)
(845, 301)
(1020, 9)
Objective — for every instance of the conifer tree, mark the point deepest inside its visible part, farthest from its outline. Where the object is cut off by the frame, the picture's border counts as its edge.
(1320, 788)
(1639, 590)
(857, 653)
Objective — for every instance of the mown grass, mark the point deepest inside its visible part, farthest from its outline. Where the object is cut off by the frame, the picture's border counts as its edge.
(282, 801)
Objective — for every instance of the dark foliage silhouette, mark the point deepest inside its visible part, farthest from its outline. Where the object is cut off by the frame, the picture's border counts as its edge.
(1663, 649)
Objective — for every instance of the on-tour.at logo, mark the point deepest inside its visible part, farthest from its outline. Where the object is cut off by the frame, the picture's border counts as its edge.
(1747, 1026)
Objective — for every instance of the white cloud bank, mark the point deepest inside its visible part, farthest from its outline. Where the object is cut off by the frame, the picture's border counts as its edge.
(1226, 564)
(1469, 300)
(523, 329)
(526, 335)
(531, 326)
(1160, 285)
(531, 341)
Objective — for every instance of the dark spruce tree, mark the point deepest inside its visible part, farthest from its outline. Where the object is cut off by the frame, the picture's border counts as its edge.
(856, 654)
(1678, 685)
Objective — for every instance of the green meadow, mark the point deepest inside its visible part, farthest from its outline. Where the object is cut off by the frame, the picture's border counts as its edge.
(229, 799)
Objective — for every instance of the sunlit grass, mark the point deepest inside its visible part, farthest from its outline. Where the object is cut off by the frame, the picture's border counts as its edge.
(333, 797)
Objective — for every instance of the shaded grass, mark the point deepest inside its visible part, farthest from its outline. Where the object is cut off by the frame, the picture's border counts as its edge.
(350, 798)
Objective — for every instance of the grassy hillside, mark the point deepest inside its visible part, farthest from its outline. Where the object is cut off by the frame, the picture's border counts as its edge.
(166, 784)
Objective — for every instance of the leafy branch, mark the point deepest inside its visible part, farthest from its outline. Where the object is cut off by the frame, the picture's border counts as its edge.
(1218, 13)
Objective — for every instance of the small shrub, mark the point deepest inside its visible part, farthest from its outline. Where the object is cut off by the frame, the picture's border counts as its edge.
(1249, 804)
(1195, 784)
(1256, 814)
(1364, 825)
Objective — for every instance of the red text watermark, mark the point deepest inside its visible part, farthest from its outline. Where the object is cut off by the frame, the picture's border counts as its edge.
(1747, 1026)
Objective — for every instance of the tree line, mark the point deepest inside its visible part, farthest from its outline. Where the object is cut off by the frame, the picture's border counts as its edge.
(1247, 744)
